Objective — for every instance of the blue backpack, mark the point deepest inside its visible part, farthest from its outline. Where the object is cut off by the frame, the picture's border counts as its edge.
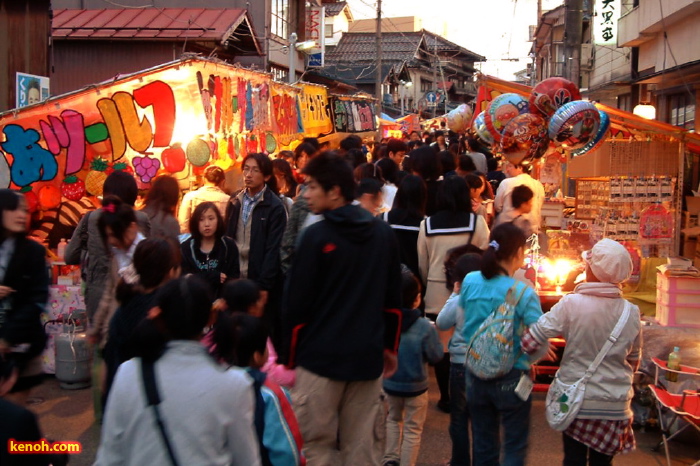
(491, 351)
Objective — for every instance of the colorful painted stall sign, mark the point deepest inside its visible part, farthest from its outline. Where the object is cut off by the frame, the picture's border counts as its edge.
(353, 116)
(315, 110)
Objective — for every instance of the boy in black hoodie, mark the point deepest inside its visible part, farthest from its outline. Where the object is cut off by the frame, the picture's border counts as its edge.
(341, 318)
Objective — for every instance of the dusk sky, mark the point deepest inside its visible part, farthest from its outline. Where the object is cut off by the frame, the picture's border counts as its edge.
(497, 29)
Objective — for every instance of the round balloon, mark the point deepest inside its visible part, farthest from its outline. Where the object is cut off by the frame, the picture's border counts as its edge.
(574, 124)
(598, 139)
(501, 110)
(524, 137)
(481, 130)
(458, 118)
(549, 95)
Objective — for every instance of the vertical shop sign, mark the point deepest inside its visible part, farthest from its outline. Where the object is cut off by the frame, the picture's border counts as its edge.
(607, 14)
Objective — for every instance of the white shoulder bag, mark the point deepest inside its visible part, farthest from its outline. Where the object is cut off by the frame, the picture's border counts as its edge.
(564, 400)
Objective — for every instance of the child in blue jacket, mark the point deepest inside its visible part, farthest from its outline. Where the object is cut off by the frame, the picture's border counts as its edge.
(407, 389)
(241, 340)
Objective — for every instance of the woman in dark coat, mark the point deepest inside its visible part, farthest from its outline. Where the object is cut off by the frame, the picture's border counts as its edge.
(24, 291)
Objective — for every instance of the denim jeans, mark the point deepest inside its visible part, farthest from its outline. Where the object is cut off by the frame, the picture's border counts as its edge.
(459, 417)
(404, 428)
(493, 403)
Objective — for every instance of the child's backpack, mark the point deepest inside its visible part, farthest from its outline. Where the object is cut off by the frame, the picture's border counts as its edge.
(491, 351)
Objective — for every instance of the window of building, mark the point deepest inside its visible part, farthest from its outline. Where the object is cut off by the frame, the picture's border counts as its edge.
(279, 74)
(280, 18)
(426, 86)
(681, 109)
(329, 30)
(624, 102)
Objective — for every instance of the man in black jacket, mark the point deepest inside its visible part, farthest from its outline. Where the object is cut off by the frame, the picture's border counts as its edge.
(342, 318)
(255, 219)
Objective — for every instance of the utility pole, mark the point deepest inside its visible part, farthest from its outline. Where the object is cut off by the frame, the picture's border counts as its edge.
(378, 85)
(572, 40)
(435, 86)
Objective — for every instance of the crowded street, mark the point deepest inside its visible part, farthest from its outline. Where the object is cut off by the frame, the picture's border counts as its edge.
(349, 233)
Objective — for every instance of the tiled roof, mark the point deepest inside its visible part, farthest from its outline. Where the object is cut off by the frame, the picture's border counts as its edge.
(359, 47)
(396, 46)
(335, 8)
(147, 23)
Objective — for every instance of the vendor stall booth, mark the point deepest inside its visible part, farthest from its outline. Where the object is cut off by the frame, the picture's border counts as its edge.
(177, 119)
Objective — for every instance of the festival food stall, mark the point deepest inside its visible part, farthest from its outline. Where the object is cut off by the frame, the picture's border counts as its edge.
(176, 119)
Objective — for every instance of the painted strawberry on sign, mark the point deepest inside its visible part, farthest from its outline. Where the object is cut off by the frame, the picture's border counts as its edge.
(73, 188)
(145, 167)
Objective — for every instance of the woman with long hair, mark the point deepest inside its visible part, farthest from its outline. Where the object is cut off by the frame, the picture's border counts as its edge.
(454, 224)
(285, 178)
(24, 290)
(493, 403)
(424, 162)
(208, 252)
(160, 205)
(120, 234)
(204, 414)
(405, 217)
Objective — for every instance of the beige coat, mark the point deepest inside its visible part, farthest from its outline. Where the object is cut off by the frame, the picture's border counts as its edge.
(431, 259)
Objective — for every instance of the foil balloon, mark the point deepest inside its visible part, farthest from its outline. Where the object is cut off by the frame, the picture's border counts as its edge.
(458, 118)
(598, 139)
(481, 130)
(524, 137)
(549, 95)
(574, 124)
(501, 110)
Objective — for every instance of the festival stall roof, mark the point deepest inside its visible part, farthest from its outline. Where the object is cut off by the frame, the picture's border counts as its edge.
(176, 118)
(624, 126)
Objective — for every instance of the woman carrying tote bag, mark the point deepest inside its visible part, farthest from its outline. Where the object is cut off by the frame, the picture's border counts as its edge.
(602, 421)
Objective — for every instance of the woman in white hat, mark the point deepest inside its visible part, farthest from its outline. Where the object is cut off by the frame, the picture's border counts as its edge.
(586, 318)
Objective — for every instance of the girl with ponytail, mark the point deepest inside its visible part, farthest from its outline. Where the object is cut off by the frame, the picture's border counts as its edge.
(493, 402)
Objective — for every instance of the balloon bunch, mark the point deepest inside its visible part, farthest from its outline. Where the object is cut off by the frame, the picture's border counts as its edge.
(522, 129)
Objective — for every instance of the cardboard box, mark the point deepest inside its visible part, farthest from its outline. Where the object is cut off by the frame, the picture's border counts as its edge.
(693, 204)
(690, 245)
(689, 220)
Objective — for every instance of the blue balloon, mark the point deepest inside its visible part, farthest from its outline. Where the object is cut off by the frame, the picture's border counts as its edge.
(574, 124)
(598, 138)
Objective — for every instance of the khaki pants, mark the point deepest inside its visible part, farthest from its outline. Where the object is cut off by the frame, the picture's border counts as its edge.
(338, 420)
(404, 428)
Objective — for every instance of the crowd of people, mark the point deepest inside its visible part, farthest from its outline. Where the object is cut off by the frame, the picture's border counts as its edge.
(296, 321)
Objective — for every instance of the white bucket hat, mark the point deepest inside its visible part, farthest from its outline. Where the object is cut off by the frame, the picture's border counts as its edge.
(609, 261)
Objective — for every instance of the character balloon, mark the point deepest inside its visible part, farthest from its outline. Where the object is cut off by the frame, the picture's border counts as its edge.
(550, 94)
(598, 139)
(501, 110)
(524, 137)
(458, 119)
(574, 124)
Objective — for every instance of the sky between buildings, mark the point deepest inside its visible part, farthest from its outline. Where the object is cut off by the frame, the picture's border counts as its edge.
(496, 29)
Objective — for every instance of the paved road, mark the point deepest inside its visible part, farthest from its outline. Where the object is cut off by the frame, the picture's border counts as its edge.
(67, 415)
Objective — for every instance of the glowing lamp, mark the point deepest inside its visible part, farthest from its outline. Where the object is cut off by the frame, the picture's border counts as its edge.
(645, 110)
